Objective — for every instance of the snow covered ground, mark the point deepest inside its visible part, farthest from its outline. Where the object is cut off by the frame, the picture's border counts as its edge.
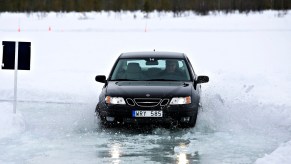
(246, 115)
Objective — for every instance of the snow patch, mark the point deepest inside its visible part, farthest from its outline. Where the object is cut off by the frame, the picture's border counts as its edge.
(280, 155)
(10, 123)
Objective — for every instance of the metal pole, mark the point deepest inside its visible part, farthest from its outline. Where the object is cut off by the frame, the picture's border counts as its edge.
(15, 77)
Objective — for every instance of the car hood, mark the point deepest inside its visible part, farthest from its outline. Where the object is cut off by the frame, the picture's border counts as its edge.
(151, 89)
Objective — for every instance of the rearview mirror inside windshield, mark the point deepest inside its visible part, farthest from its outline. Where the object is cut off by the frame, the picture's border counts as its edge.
(152, 63)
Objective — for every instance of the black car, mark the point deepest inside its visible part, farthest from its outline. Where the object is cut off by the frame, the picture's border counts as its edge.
(150, 87)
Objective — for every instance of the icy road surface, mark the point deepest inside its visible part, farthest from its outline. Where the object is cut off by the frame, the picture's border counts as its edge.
(246, 114)
(68, 133)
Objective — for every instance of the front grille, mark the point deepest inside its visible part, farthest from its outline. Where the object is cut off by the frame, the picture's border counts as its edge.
(147, 102)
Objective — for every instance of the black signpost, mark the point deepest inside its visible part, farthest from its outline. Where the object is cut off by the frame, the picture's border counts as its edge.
(16, 55)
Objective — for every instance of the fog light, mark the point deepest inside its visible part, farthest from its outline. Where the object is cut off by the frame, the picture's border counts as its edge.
(185, 119)
(110, 119)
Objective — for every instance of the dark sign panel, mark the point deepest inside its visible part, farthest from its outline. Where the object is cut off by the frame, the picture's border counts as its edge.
(8, 61)
(24, 55)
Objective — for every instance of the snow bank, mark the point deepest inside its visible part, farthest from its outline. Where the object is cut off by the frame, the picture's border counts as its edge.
(10, 123)
(281, 155)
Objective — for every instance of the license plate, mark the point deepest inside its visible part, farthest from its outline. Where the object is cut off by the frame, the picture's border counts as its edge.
(141, 113)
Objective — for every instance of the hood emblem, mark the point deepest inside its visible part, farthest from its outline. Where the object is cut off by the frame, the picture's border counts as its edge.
(148, 95)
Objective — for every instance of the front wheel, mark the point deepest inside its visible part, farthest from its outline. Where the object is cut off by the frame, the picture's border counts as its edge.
(102, 119)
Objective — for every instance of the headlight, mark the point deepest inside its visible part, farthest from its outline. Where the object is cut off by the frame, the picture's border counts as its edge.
(180, 100)
(114, 100)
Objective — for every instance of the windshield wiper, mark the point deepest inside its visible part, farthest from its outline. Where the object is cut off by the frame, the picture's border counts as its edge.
(144, 80)
(161, 80)
(124, 80)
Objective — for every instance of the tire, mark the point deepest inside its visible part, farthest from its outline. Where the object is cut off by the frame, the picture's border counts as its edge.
(102, 120)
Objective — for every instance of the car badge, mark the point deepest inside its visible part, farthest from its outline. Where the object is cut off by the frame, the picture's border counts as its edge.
(148, 95)
(152, 59)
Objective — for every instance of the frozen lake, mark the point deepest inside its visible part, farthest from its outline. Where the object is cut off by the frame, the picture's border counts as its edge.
(67, 133)
(246, 110)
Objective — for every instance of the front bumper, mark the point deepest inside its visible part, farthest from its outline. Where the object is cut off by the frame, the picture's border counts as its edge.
(124, 112)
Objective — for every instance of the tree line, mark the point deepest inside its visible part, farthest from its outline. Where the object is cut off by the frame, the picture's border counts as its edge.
(198, 6)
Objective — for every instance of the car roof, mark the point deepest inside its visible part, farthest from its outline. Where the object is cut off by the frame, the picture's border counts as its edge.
(152, 54)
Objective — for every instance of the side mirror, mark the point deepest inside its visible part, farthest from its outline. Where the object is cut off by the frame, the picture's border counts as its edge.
(100, 78)
(202, 79)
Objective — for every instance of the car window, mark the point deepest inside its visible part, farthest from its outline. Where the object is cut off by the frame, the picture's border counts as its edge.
(151, 69)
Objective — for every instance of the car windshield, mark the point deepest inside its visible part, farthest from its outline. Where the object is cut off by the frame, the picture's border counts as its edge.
(151, 69)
